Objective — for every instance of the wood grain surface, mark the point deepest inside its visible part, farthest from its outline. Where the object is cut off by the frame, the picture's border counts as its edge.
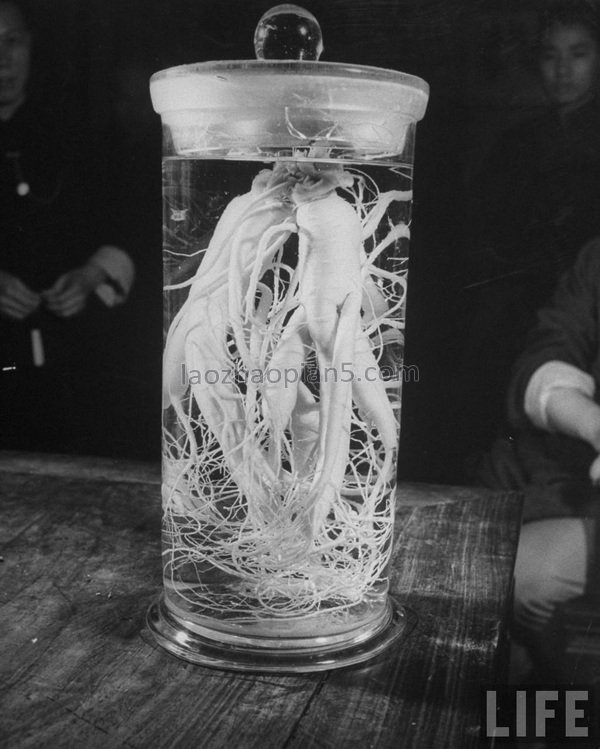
(81, 564)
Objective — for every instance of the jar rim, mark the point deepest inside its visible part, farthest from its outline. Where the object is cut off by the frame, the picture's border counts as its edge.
(218, 84)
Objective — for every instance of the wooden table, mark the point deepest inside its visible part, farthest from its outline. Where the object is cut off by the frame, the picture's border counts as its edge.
(80, 545)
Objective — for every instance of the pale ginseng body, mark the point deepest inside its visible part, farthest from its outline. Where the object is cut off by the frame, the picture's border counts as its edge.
(285, 288)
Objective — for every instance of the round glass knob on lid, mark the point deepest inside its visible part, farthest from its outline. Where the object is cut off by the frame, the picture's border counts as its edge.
(288, 32)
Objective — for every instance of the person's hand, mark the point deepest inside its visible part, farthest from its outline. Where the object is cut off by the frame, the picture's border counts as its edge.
(594, 472)
(69, 294)
(17, 301)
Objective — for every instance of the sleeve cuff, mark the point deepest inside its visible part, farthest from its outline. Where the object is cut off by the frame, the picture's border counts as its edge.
(545, 379)
(120, 272)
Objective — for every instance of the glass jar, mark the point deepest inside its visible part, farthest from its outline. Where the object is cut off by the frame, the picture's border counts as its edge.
(287, 188)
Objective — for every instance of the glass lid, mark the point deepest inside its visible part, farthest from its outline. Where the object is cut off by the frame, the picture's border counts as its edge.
(288, 94)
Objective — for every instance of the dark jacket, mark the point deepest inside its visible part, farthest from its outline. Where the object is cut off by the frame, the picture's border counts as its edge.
(534, 205)
(538, 198)
(553, 468)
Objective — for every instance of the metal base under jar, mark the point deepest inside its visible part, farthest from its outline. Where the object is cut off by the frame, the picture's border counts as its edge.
(200, 646)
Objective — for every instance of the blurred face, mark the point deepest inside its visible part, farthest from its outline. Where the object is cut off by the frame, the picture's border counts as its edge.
(15, 46)
(569, 64)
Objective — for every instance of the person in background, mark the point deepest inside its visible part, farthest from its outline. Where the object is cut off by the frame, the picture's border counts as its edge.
(553, 457)
(62, 278)
(534, 204)
(133, 138)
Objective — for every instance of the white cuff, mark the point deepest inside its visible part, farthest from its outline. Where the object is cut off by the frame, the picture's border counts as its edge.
(120, 269)
(548, 377)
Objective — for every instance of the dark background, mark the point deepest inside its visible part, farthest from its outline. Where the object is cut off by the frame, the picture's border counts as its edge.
(476, 56)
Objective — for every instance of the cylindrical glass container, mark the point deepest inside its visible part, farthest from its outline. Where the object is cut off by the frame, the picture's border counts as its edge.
(287, 188)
